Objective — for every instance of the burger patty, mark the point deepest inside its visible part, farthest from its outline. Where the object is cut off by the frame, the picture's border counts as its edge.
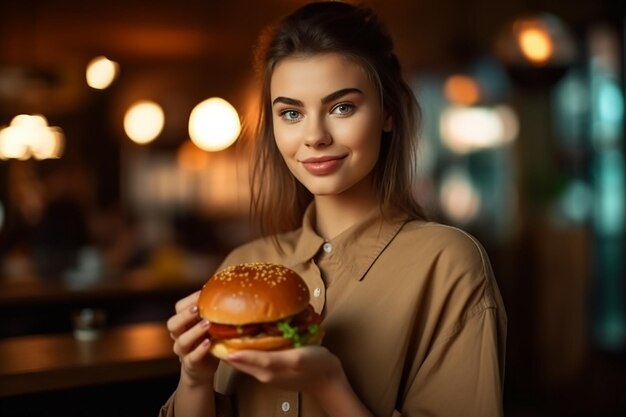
(301, 321)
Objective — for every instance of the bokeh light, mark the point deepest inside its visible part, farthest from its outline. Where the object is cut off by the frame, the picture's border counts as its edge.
(30, 136)
(462, 89)
(144, 121)
(214, 124)
(459, 198)
(466, 129)
(101, 72)
(536, 41)
(610, 200)
(536, 44)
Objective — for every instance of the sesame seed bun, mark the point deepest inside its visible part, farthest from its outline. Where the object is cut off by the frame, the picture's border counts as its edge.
(253, 293)
(258, 306)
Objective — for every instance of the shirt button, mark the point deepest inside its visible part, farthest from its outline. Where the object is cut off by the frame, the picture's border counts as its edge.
(328, 247)
(317, 292)
(285, 406)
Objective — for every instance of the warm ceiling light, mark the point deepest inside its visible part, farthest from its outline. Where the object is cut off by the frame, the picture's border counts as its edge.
(536, 44)
(541, 40)
(214, 124)
(50, 145)
(101, 72)
(144, 121)
(462, 89)
(30, 136)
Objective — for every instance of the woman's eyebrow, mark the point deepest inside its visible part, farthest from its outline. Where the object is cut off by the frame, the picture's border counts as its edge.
(287, 100)
(340, 93)
(332, 96)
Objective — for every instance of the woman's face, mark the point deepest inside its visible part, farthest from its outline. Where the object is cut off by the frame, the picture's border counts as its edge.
(328, 122)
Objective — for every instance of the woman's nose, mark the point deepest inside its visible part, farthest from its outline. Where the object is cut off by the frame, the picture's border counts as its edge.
(316, 134)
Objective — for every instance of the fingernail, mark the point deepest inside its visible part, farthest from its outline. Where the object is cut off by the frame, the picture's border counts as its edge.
(194, 309)
(206, 324)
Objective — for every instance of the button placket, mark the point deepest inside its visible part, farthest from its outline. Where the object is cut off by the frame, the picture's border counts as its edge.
(288, 404)
(312, 275)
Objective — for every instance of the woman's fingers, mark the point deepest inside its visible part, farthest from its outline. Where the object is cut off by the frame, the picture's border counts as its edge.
(260, 359)
(280, 359)
(191, 342)
(199, 353)
(187, 302)
(291, 368)
(186, 316)
(252, 363)
(187, 341)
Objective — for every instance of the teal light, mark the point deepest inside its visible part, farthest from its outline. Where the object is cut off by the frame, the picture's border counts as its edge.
(608, 111)
(608, 180)
(571, 106)
(576, 202)
(610, 102)
(610, 267)
(612, 329)
(610, 201)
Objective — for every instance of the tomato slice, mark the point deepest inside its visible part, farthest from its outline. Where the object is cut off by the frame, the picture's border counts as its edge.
(226, 331)
(301, 321)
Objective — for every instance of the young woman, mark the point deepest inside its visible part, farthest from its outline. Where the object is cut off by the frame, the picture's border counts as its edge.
(414, 322)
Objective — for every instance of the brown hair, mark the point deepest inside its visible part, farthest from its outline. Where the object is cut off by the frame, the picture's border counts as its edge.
(278, 199)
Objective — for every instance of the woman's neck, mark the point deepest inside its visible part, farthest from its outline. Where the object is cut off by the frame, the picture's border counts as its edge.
(334, 214)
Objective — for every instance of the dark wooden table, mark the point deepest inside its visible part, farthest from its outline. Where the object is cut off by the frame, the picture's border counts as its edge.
(36, 307)
(37, 292)
(37, 363)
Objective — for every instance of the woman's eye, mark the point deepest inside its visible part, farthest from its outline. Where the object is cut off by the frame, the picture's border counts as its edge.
(290, 115)
(343, 108)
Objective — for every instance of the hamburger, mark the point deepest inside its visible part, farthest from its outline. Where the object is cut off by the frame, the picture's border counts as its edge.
(258, 306)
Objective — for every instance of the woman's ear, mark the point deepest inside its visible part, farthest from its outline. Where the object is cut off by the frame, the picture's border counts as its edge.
(388, 123)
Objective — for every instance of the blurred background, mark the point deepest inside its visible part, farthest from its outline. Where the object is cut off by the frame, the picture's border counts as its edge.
(123, 183)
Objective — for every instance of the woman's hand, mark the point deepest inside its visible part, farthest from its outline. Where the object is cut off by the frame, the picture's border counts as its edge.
(191, 343)
(311, 369)
(303, 369)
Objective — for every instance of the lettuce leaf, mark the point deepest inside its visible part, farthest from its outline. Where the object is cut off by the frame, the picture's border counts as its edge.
(292, 333)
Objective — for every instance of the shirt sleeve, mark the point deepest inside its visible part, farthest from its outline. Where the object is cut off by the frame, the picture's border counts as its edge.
(462, 375)
(167, 410)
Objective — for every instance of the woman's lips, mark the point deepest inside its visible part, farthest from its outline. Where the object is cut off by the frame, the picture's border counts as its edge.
(323, 165)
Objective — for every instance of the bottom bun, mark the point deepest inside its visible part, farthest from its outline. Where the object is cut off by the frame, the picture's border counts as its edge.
(258, 343)
(221, 349)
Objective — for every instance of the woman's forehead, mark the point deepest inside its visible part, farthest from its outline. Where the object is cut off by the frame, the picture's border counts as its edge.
(321, 73)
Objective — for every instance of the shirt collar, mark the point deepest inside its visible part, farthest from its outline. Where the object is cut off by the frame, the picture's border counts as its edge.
(354, 250)
(308, 242)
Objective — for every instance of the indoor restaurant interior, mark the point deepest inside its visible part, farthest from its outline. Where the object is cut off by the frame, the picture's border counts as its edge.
(124, 133)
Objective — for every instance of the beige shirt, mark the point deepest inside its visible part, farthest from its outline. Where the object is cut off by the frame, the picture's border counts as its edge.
(412, 310)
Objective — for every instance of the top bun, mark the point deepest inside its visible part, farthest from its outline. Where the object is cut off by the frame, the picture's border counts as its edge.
(253, 293)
